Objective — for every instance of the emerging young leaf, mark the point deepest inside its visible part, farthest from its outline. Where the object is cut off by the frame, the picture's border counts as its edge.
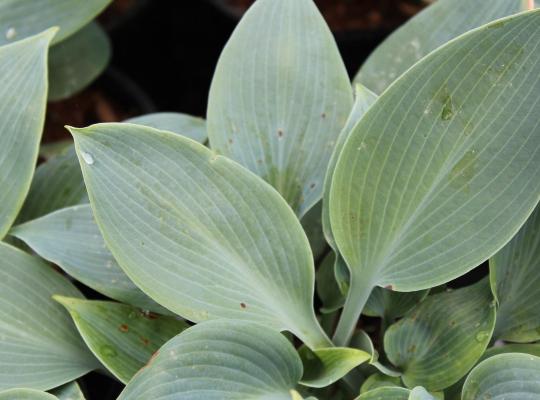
(442, 170)
(431, 28)
(71, 239)
(197, 232)
(40, 347)
(23, 94)
(279, 98)
(322, 367)
(219, 360)
(515, 281)
(77, 61)
(183, 124)
(57, 183)
(22, 18)
(511, 376)
(122, 337)
(441, 339)
(25, 394)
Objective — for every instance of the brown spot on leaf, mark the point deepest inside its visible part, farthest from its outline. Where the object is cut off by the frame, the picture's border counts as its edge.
(280, 133)
(389, 287)
(123, 328)
(145, 341)
(243, 305)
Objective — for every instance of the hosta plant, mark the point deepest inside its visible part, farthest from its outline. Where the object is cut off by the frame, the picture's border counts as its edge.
(205, 238)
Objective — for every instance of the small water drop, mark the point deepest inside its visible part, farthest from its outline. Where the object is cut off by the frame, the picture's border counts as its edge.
(87, 157)
(108, 351)
(482, 336)
(11, 33)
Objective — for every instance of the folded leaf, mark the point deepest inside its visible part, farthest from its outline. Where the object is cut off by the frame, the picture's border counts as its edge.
(389, 304)
(71, 239)
(441, 171)
(69, 391)
(515, 281)
(505, 376)
(322, 367)
(197, 232)
(441, 339)
(23, 94)
(219, 360)
(78, 61)
(122, 337)
(40, 347)
(429, 29)
(183, 124)
(22, 18)
(279, 98)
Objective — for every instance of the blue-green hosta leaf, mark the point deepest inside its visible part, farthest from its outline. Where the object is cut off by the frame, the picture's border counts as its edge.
(442, 338)
(26, 394)
(312, 224)
(77, 61)
(454, 392)
(71, 239)
(122, 337)
(69, 391)
(385, 393)
(57, 183)
(515, 281)
(324, 366)
(442, 170)
(220, 360)
(511, 376)
(363, 100)
(22, 18)
(389, 304)
(379, 380)
(279, 98)
(183, 124)
(23, 94)
(39, 346)
(197, 232)
(327, 288)
(431, 28)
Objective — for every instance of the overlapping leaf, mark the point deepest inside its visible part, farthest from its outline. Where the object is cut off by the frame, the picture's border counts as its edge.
(69, 391)
(22, 18)
(197, 232)
(279, 98)
(122, 337)
(40, 347)
(441, 171)
(515, 281)
(441, 339)
(219, 360)
(431, 28)
(23, 94)
(511, 376)
(183, 124)
(77, 61)
(25, 394)
(71, 239)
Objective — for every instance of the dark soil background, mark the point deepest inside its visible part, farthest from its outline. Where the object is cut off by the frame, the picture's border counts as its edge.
(164, 55)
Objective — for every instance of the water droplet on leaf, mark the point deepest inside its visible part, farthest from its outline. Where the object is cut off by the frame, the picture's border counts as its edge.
(87, 157)
(11, 33)
(482, 336)
(108, 351)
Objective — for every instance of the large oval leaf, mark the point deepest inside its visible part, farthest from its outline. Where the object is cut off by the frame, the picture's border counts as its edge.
(431, 28)
(22, 18)
(77, 61)
(511, 376)
(122, 337)
(71, 239)
(441, 171)
(197, 232)
(515, 281)
(23, 94)
(220, 360)
(279, 98)
(441, 339)
(40, 347)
